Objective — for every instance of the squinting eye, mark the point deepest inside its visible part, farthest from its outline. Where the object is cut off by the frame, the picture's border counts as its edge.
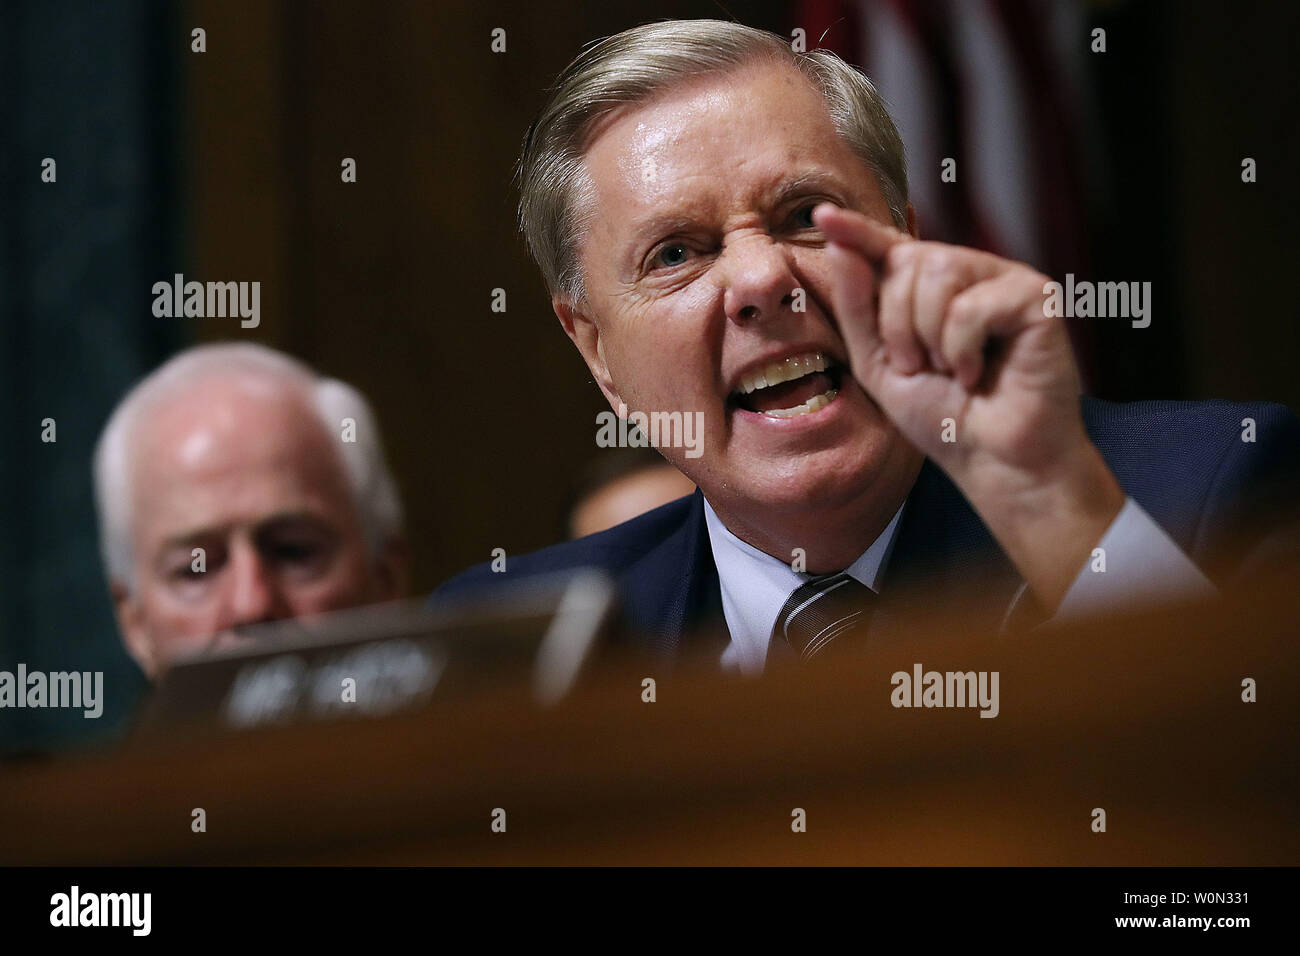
(804, 216)
(295, 552)
(668, 253)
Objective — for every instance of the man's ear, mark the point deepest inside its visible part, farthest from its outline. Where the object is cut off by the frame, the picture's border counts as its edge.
(585, 334)
(130, 622)
(911, 222)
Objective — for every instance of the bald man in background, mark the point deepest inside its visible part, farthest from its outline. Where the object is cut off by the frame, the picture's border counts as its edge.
(620, 484)
(236, 486)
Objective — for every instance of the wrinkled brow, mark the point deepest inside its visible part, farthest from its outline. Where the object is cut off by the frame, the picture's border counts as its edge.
(772, 196)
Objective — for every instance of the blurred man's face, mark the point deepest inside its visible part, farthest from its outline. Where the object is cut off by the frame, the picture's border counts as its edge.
(242, 469)
(701, 235)
(628, 496)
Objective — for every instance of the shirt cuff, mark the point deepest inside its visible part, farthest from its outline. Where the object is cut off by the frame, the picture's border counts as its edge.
(1135, 563)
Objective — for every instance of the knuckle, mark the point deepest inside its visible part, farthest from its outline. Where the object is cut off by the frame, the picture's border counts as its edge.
(963, 310)
(938, 261)
(901, 255)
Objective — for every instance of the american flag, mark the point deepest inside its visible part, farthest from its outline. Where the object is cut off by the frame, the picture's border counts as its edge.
(1000, 87)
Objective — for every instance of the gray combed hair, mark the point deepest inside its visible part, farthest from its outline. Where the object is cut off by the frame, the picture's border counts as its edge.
(631, 68)
(364, 463)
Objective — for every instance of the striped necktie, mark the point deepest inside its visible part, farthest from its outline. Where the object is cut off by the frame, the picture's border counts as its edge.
(822, 610)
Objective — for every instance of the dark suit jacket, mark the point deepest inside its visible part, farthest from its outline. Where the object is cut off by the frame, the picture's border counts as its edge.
(1228, 503)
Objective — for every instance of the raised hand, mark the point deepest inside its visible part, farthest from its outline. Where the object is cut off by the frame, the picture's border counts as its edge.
(954, 345)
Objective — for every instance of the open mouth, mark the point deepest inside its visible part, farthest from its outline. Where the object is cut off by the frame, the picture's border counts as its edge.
(799, 385)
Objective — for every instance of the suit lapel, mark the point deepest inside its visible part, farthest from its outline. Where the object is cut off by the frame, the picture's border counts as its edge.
(944, 554)
(671, 593)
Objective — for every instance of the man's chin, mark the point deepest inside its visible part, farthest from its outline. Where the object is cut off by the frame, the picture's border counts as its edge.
(819, 480)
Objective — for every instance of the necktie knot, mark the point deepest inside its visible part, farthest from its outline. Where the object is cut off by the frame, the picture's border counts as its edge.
(821, 610)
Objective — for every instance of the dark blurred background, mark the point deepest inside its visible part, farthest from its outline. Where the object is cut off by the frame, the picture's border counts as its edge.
(225, 165)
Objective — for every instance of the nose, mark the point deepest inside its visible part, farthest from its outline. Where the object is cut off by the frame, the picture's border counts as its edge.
(759, 281)
(252, 595)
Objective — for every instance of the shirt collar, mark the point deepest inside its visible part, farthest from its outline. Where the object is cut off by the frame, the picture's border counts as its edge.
(756, 585)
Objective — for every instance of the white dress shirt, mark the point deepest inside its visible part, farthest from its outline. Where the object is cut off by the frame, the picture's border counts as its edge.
(1142, 563)
(756, 585)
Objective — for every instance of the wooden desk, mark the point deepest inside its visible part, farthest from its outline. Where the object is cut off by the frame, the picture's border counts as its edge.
(1141, 716)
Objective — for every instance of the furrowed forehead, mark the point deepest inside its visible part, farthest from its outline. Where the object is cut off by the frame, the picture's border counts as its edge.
(776, 191)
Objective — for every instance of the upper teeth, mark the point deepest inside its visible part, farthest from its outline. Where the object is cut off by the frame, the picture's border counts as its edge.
(797, 366)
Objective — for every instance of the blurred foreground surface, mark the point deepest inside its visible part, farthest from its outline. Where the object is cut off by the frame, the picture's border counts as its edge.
(1141, 716)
